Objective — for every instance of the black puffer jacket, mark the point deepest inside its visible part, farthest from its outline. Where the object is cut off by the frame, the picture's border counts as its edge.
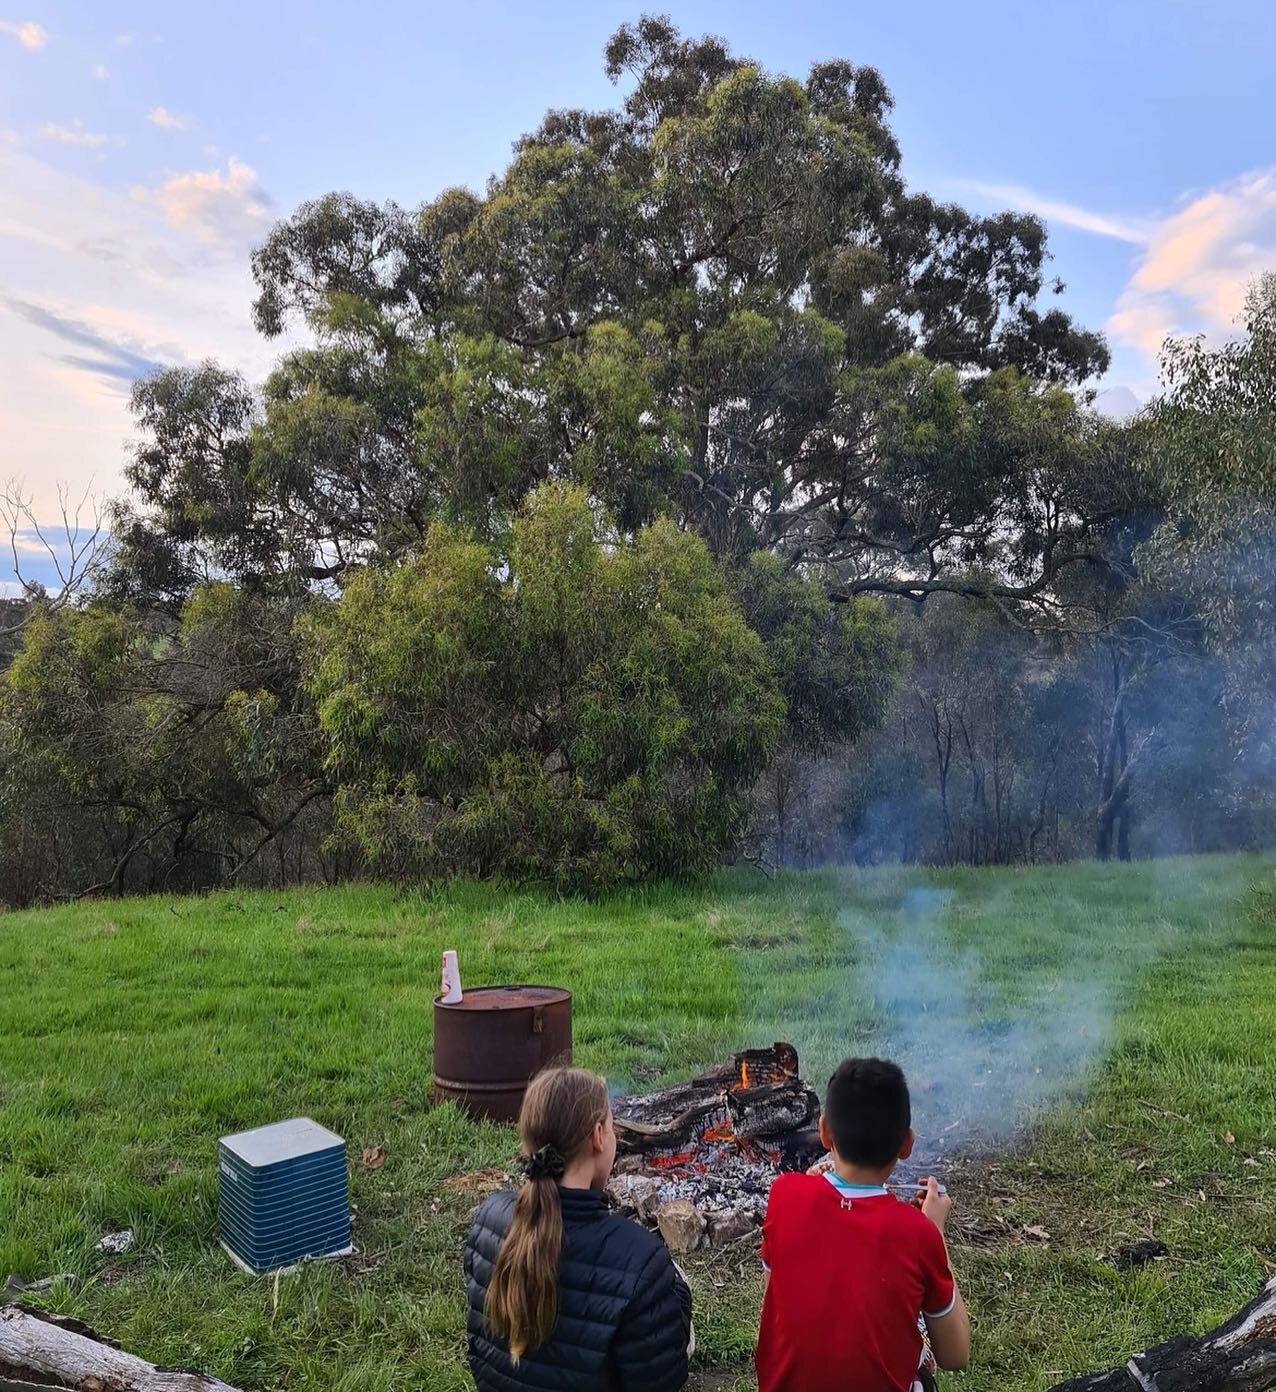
(624, 1313)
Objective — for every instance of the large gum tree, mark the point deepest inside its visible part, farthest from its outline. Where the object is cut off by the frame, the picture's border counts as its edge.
(718, 301)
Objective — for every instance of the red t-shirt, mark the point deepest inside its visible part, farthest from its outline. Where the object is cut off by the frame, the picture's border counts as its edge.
(850, 1276)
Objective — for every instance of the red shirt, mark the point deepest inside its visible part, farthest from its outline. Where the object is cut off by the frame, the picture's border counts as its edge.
(850, 1275)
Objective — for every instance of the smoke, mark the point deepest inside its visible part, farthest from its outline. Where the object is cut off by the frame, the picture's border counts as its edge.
(1154, 737)
(984, 1057)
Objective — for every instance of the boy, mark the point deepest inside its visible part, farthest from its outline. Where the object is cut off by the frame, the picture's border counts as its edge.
(851, 1270)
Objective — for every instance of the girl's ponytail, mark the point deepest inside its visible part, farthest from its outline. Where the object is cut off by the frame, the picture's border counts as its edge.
(559, 1113)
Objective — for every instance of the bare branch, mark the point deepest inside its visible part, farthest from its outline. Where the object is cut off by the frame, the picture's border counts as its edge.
(75, 547)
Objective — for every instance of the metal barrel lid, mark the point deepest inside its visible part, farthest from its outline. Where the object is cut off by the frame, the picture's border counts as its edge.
(507, 998)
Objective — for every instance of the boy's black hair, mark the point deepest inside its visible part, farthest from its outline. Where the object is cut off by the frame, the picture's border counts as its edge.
(868, 1111)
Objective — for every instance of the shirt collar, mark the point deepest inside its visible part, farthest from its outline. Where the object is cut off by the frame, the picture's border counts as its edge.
(856, 1191)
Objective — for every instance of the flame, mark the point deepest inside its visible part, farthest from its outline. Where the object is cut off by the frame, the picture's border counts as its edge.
(718, 1138)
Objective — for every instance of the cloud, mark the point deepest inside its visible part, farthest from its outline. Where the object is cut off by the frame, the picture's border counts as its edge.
(166, 120)
(76, 134)
(1053, 210)
(230, 209)
(26, 541)
(29, 35)
(115, 360)
(48, 555)
(1117, 402)
(106, 286)
(123, 40)
(101, 72)
(1199, 263)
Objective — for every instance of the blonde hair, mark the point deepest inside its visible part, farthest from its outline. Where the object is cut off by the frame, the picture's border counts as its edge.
(558, 1116)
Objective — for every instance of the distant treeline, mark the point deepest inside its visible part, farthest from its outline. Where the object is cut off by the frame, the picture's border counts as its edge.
(696, 492)
(1002, 748)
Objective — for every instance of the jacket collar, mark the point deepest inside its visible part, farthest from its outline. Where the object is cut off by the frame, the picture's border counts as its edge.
(582, 1205)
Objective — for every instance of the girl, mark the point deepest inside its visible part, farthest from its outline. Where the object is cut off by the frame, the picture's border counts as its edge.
(564, 1295)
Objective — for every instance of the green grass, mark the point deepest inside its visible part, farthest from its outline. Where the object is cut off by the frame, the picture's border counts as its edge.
(133, 1034)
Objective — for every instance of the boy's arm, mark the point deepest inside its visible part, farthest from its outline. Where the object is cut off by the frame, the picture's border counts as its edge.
(949, 1332)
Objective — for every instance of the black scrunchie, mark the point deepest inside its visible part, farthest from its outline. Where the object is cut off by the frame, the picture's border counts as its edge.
(546, 1163)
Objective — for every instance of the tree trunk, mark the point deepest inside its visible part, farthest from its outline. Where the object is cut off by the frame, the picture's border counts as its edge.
(46, 1351)
(943, 761)
(780, 774)
(1112, 767)
(1123, 812)
(978, 797)
(1039, 825)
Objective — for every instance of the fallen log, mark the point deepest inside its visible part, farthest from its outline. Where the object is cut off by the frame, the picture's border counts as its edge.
(54, 1354)
(1239, 1356)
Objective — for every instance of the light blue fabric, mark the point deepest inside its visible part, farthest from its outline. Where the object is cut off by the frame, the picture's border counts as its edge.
(856, 1191)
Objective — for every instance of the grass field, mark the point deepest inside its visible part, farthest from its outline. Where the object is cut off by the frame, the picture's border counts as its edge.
(133, 1034)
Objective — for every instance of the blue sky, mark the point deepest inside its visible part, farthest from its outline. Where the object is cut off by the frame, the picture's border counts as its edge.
(146, 147)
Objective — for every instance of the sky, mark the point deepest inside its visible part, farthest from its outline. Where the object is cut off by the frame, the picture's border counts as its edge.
(146, 148)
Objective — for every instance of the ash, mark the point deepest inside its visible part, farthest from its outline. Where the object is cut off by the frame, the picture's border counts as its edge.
(734, 1185)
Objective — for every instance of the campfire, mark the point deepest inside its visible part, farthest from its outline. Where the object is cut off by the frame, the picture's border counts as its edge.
(755, 1108)
(700, 1157)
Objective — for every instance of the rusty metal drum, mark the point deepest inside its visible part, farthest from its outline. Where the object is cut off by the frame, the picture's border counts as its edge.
(494, 1040)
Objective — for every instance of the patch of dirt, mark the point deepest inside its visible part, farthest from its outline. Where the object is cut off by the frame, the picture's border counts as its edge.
(715, 1379)
(725, 1267)
(1139, 1254)
(996, 1204)
(646, 1074)
(361, 1263)
(155, 1175)
(477, 1182)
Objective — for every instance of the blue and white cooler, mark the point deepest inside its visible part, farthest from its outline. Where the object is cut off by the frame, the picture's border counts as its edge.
(284, 1195)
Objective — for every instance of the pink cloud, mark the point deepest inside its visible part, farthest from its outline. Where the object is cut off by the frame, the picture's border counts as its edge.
(1199, 264)
(229, 209)
(30, 35)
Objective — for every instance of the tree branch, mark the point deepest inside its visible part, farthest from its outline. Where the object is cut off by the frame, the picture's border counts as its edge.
(76, 555)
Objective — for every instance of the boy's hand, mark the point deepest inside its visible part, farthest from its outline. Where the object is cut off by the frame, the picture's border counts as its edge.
(934, 1205)
(823, 1166)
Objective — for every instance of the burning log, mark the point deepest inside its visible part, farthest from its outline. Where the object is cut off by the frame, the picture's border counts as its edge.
(714, 1145)
(1239, 1356)
(755, 1107)
(47, 1352)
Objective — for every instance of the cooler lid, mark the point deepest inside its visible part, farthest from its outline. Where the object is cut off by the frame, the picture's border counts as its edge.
(282, 1140)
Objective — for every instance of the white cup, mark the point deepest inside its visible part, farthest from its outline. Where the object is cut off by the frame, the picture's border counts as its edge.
(450, 987)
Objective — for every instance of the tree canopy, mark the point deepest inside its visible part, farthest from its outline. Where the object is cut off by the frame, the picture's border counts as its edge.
(582, 708)
(717, 302)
